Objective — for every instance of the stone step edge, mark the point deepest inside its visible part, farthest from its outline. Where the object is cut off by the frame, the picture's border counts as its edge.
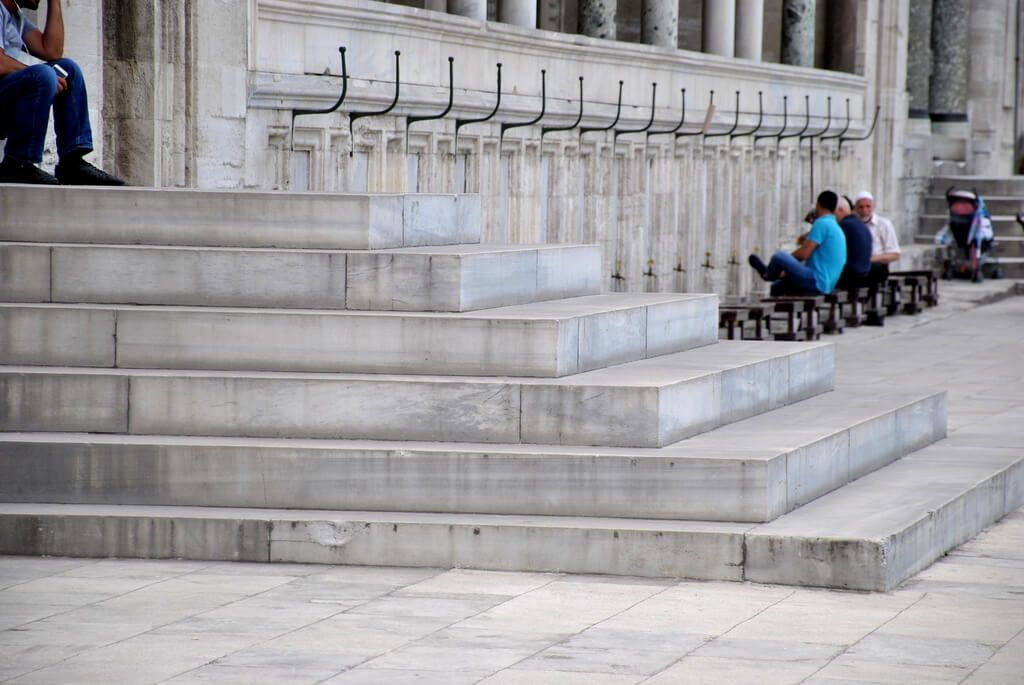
(804, 475)
(664, 549)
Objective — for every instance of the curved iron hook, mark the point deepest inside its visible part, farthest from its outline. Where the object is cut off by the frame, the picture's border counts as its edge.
(823, 131)
(329, 110)
(552, 129)
(409, 121)
(609, 127)
(459, 123)
(846, 128)
(355, 116)
(735, 123)
(536, 119)
(782, 129)
(654, 97)
(760, 119)
(700, 131)
(807, 121)
(867, 135)
(682, 119)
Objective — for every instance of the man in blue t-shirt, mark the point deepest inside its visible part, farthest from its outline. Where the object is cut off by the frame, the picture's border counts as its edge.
(29, 89)
(814, 267)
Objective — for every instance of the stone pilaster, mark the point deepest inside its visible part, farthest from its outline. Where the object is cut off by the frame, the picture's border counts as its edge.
(749, 29)
(474, 9)
(518, 12)
(919, 57)
(843, 24)
(597, 18)
(720, 27)
(798, 32)
(950, 61)
(660, 23)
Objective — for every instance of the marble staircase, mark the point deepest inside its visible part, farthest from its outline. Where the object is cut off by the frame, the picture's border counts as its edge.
(359, 380)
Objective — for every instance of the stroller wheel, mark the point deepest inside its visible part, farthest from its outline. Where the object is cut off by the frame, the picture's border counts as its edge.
(947, 270)
(997, 273)
(977, 276)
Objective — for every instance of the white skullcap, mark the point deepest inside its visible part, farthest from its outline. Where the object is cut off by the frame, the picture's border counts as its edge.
(863, 195)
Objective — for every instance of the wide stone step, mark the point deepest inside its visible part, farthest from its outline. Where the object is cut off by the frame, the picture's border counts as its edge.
(1008, 246)
(1002, 205)
(1012, 186)
(236, 218)
(753, 470)
(544, 339)
(868, 535)
(451, 278)
(1002, 225)
(648, 403)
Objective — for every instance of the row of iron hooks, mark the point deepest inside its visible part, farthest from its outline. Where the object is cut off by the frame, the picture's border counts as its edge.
(782, 133)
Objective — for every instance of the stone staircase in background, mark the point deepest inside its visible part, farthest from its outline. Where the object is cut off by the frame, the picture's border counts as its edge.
(355, 379)
(1004, 198)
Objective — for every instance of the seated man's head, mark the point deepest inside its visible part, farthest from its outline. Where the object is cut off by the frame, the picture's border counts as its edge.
(843, 208)
(827, 202)
(865, 206)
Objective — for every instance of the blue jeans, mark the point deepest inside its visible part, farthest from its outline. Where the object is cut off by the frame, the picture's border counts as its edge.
(791, 276)
(25, 100)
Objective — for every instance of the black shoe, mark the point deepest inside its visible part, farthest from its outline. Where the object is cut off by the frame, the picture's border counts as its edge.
(13, 171)
(758, 265)
(78, 172)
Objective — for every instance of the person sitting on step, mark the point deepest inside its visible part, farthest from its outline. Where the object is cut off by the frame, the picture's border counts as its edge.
(858, 246)
(885, 248)
(27, 92)
(814, 267)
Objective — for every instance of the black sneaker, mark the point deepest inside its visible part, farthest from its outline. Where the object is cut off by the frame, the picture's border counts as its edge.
(13, 171)
(758, 265)
(79, 172)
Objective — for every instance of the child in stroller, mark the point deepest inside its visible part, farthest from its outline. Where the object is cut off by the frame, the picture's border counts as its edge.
(968, 238)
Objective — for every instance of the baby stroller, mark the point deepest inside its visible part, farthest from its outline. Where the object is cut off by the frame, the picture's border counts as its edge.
(968, 238)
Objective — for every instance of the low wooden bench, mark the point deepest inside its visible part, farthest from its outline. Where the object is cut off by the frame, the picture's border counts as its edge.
(744, 322)
(802, 321)
(923, 289)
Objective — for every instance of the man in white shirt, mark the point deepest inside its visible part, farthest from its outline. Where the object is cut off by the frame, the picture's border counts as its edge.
(885, 248)
(29, 90)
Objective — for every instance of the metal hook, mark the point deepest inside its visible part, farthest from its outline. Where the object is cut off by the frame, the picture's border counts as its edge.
(807, 121)
(760, 119)
(700, 131)
(735, 123)
(845, 128)
(843, 139)
(333, 108)
(459, 123)
(409, 121)
(355, 116)
(536, 119)
(609, 127)
(654, 96)
(552, 129)
(682, 119)
(823, 131)
(782, 129)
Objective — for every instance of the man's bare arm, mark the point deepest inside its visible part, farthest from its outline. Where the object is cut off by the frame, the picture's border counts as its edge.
(48, 44)
(9, 65)
(805, 250)
(885, 258)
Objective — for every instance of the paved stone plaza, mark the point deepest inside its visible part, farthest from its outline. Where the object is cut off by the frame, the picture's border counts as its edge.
(962, 620)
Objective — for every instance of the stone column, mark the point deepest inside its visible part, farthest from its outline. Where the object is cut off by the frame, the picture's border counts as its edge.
(660, 23)
(597, 18)
(518, 12)
(919, 57)
(720, 27)
(948, 91)
(798, 32)
(474, 9)
(436, 5)
(842, 24)
(749, 29)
